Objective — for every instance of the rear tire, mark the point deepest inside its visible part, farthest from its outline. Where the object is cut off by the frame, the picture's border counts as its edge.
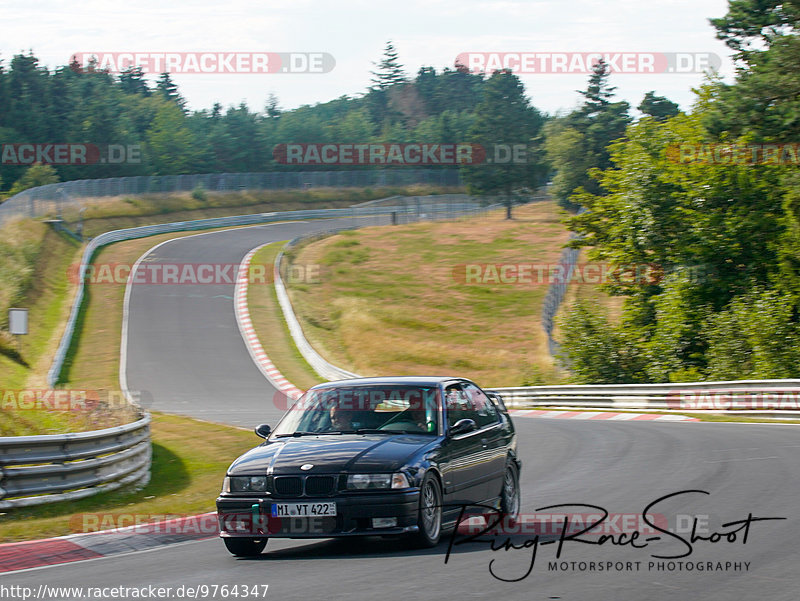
(245, 547)
(430, 513)
(510, 495)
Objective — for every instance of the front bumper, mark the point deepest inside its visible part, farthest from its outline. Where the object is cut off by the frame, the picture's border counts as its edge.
(248, 516)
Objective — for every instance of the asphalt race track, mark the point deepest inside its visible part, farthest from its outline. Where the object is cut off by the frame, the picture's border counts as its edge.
(186, 350)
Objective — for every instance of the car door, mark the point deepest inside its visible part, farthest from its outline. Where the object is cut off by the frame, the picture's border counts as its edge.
(492, 438)
(463, 455)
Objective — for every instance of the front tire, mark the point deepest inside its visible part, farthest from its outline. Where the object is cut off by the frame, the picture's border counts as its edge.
(245, 547)
(430, 513)
(510, 495)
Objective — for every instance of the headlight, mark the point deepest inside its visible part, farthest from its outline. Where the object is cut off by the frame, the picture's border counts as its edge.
(246, 483)
(376, 481)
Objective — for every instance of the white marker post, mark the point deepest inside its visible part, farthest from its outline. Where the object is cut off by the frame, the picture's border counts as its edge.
(18, 324)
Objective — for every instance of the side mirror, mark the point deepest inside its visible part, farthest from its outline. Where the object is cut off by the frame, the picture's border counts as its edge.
(263, 430)
(498, 400)
(462, 426)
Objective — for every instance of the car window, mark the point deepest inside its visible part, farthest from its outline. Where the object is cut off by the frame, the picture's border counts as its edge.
(469, 403)
(456, 404)
(481, 405)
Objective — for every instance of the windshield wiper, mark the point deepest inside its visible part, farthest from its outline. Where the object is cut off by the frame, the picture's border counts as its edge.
(300, 433)
(379, 431)
(373, 431)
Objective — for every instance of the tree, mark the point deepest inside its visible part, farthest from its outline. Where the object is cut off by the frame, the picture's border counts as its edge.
(752, 23)
(505, 121)
(765, 99)
(658, 107)
(389, 70)
(168, 90)
(354, 128)
(579, 141)
(568, 151)
(36, 175)
(170, 143)
(272, 109)
(132, 81)
(755, 337)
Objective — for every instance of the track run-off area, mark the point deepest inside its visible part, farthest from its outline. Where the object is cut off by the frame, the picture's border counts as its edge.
(184, 348)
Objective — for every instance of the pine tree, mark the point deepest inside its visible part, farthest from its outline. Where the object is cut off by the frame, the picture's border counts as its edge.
(169, 90)
(389, 71)
(598, 93)
(273, 110)
(132, 81)
(578, 142)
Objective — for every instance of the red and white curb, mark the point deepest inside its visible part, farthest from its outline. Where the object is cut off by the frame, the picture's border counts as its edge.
(94, 545)
(248, 332)
(601, 415)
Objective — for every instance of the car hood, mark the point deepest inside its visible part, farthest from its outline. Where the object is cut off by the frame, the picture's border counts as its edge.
(328, 454)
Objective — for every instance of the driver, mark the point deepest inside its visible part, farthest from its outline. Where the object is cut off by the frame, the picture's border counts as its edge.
(343, 419)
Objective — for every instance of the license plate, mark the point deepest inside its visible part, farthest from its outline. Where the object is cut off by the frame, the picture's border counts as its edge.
(303, 510)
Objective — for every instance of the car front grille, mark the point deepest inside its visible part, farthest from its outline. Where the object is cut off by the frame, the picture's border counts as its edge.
(320, 485)
(288, 486)
(298, 486)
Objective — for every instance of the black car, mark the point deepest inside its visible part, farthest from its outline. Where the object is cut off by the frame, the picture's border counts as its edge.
(373, 456)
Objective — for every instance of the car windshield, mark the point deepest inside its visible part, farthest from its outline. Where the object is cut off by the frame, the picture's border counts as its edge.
(364, 409)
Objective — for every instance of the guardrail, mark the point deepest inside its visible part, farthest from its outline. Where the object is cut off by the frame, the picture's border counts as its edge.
(60, 467)
(329, 371)
(782, 395)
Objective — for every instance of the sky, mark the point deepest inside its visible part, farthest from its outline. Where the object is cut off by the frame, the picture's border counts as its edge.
(354, 33)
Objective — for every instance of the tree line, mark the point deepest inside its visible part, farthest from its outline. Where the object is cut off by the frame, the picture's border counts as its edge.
(88, 105)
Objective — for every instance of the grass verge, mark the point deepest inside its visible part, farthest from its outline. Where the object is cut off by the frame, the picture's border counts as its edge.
(43, 288)
(92, 361)
(390, 300)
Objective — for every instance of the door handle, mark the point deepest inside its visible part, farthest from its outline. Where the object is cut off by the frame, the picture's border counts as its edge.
(484, 442)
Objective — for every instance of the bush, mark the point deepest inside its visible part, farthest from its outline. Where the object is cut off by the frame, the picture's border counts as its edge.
(598, 352)
(36, 175)
(755, 337)
(199, 193)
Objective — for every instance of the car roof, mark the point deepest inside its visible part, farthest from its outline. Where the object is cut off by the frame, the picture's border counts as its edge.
(390, 380)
